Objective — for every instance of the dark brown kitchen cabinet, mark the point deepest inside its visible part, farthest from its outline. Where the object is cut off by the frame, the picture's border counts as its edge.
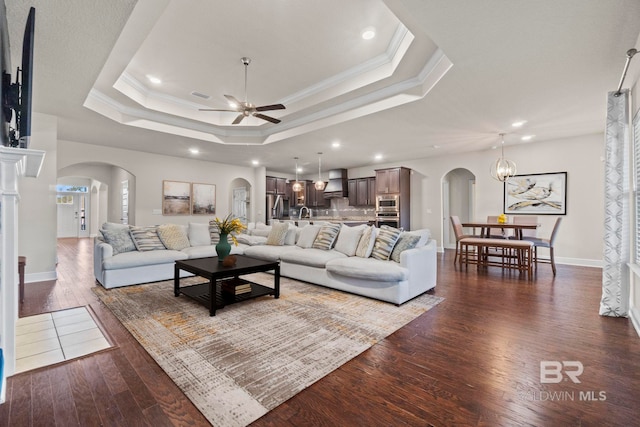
(371, 188)
(362, 192)
(352, 186)
(271, 185)
(315, 198)
(388, 180)
(276, 185)
(281, 186)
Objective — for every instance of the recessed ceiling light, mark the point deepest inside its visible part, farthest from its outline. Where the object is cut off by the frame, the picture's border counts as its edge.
(527, 137)
(336, 144)
(435, 146)
(299, 169)
(518, 124)
(255, 162)
(368, 33)
(378, 157)
(153, 79)
(194, 150)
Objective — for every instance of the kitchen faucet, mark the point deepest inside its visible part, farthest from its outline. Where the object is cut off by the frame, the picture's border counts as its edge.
(308, 215)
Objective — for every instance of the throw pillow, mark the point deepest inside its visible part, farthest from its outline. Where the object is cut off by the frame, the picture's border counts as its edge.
(365, 246)
(308, 235)
(277, 234)
(146, 238)
(424, 234)
(214, 234)
(113, 226)
(326, 236)
(348, 239)
(385, 241)
(406, 241)
(290, 237)
(120, 240)
(173, 236)
(199, 234)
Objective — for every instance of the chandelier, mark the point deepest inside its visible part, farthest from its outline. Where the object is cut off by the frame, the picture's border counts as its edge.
(297, 186)
(503, 169)
(319, 183)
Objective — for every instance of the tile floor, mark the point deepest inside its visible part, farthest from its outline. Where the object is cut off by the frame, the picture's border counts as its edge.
(49, 338)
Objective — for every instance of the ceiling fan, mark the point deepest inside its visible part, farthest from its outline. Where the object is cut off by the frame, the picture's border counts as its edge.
(246, 108)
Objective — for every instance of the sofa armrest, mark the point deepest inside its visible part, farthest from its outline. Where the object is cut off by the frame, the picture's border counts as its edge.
(422, 265)
(101, 251)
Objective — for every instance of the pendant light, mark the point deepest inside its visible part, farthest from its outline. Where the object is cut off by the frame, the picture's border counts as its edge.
(319, 183)
(503, 169)
(296, 185)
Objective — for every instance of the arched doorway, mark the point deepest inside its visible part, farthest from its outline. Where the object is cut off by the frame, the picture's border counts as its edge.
(458, 198)
(240, 191)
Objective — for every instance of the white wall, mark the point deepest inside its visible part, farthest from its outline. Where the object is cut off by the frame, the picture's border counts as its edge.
(37, 207)
(580, 237)
(150, 170)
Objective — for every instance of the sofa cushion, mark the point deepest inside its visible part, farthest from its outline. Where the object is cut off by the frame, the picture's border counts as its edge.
(278, 234)
(146, 238)
(311, 257)
(348, 239)
(173, 236)
(251, 240)
(114, 226)
(137, 259)
(308, 235)
(368, 269)
(199, 234)
(405, 241)
(269, 252)
(119, 239)
(385, 241)
(365, 246)
(326, 236)
(292, 235)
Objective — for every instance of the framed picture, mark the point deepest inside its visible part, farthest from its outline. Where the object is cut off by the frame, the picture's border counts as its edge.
(176, 198)
(536, 194)
(204, 199)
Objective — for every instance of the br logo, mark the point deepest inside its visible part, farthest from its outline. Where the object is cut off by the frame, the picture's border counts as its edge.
(551, 371)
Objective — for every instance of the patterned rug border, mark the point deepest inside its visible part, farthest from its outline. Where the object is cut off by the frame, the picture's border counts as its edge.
(228, 367)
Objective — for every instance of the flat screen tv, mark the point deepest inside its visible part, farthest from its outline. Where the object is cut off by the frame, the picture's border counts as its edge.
(16, 96)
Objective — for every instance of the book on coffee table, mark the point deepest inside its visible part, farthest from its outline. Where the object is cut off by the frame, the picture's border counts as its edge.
(230, 288)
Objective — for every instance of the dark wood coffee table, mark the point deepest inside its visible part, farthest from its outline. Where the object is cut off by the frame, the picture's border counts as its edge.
(220, 276)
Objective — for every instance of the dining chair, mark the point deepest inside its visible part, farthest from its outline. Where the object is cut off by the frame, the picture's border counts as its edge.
(504, 234)
(527, 219)
(545, 243)
(459, 233)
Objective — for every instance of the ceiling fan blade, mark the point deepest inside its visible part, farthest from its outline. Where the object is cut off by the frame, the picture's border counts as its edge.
(270, 107)
(234, 101)
(238, 119)
(267, 118)
(214, 109)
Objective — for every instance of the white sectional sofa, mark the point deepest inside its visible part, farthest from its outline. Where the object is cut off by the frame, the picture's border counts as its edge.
(337, 267)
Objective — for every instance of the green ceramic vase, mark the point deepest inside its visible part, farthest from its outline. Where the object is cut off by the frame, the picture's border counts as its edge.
(223, 248)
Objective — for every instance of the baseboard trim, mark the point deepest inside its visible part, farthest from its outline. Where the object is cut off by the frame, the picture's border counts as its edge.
(634, 314)
(41, 277)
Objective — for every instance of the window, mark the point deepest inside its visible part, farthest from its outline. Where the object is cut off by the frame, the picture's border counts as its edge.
(636, 171)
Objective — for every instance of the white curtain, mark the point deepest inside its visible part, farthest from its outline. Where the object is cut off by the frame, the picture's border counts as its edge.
(615, 274)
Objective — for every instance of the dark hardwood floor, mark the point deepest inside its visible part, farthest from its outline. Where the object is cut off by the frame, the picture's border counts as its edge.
(472, 360)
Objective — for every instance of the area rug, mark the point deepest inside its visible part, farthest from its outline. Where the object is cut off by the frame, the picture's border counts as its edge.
(252, 356)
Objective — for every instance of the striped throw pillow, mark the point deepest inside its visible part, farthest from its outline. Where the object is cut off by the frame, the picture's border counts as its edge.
(326, 236)
(385, 241)
(146, 238)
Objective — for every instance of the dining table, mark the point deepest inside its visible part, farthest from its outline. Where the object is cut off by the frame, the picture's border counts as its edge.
(486, 227)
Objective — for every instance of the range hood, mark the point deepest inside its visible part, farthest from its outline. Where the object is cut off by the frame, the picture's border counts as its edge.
(337, 185)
